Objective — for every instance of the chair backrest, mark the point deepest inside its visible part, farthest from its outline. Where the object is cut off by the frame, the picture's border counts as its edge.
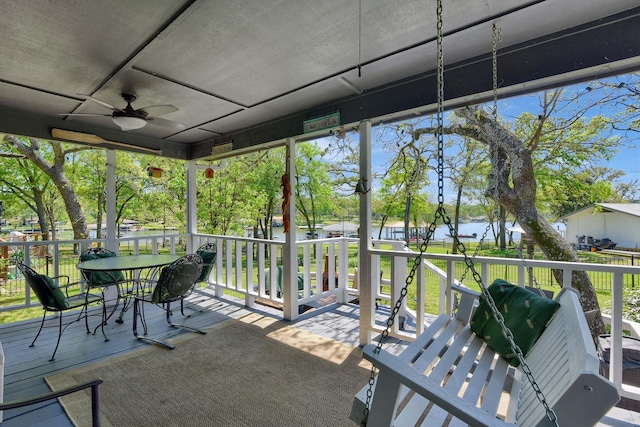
(47, 292)
(178, 279)
(208, 253)
(100, 278)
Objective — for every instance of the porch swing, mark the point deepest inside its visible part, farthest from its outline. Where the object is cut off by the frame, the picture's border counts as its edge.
(468, 369)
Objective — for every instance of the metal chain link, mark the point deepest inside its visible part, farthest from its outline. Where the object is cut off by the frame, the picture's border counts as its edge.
(495, 39)
(441, 214)
(432, 226)
(530, 271)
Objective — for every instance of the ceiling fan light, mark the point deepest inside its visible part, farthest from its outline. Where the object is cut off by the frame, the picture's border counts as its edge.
(128, 123)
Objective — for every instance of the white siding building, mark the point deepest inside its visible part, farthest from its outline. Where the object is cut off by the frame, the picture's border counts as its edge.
(619, 222)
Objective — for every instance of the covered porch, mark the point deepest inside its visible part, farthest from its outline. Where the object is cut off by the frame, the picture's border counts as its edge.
(162, 53)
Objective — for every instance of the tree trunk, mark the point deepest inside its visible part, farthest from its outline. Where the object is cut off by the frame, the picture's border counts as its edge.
(407, 219)
(502, 229)
(40, 210)
(512, 184)
(456, 219)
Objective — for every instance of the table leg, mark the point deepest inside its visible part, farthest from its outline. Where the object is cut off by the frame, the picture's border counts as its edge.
(111, 300)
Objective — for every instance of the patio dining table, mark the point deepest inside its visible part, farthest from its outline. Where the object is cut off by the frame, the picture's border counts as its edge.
(137, 270)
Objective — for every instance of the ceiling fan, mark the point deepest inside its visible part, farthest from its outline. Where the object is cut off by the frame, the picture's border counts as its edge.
(129, 118)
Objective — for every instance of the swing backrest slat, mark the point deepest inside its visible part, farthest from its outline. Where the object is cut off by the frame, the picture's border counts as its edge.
(565, 361)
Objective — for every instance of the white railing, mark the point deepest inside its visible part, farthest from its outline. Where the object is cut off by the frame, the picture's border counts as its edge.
(59, 257)
(249, 267)
(488, 269)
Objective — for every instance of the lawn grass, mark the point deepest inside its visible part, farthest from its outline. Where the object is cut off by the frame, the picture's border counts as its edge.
(68, 261)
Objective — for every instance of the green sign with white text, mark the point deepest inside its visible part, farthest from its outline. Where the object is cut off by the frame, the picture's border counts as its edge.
(319, 123)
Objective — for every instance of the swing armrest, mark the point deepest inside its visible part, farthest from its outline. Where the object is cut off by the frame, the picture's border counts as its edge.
(468, 301)
(463, 290)
(405, 375)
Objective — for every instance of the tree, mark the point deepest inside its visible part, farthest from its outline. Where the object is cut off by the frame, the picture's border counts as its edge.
(313, 186)
(463, 166)
(265, 179)
(565, 145)
(34, 150)
(228, 204)
(386, 201)
(512, 183)
(87, 171)
(165, 196)
(29, 184)
(408, 170)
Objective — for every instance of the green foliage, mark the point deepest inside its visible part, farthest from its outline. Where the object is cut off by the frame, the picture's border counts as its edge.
(566, 140)
(568, 135)
(631, 304)
(313, 193)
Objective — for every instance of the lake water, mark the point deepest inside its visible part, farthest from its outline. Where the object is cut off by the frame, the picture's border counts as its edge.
(441, 232)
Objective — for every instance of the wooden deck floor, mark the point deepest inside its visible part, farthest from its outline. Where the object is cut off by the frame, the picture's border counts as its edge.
(25, 368)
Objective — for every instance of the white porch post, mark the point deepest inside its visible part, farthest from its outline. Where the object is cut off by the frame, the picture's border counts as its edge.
(192, 207)
(364, 257)
(290, 253)
(112, 241)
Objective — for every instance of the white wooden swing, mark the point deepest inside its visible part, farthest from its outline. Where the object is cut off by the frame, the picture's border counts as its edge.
(451, 367)
(449, 376)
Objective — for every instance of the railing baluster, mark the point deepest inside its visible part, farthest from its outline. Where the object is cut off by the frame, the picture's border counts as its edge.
(615, 369)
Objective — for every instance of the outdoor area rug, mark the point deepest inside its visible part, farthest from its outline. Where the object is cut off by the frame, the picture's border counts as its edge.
(253, 371)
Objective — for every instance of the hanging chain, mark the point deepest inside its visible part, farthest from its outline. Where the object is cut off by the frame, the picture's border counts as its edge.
(441, 214)
(360, 38)
(530, 271)
(495, 39)
(432, 226)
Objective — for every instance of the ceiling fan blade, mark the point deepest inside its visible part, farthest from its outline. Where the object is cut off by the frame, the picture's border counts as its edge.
(159, 110)
(85, 114)
(90, 138)
(98, 101)
(165, 123)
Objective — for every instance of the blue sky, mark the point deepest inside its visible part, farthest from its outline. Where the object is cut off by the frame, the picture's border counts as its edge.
(628, 159)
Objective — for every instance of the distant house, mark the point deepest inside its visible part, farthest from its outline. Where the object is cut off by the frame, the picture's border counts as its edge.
(619, 222)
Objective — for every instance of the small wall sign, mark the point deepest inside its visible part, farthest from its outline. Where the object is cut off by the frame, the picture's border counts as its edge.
(319, 123)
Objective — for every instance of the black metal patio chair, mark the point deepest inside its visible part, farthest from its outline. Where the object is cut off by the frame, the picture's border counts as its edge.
(208, 253)
(56, 298)
(100, 279)
(175, 283)
(108, 282)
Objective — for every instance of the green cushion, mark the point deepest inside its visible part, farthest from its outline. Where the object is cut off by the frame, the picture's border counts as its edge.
(525, 314)
(208, 258)
(99, 278)
(57, 298)
(267, 280)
